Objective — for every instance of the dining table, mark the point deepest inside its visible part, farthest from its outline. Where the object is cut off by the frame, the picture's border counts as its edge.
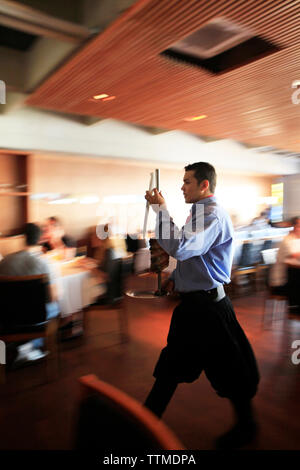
(79, 282)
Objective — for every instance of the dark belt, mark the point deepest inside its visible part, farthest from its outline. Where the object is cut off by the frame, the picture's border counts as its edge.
(216, 294)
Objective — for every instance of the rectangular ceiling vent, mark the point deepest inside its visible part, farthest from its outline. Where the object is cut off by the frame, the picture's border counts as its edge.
(219, 46)
(213, 38)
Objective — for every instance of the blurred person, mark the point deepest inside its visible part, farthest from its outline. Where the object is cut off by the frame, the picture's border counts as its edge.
(104, 254)
(102, 248)
(288, 248)
(267, 212)
(261, 222)
(204, 333)
(29, 262)
(54, 238)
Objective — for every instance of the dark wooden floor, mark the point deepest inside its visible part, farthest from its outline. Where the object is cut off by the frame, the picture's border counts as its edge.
(39, 415)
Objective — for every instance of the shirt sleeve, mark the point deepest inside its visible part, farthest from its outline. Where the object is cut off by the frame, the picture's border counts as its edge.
(186, 243)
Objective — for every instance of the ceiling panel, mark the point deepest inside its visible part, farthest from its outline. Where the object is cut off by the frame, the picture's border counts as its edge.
(251, 104)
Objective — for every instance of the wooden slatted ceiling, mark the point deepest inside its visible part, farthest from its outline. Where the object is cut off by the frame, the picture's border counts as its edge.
(251, 104)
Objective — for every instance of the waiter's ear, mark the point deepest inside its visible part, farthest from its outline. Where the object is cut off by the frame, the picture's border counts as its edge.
(204, 185)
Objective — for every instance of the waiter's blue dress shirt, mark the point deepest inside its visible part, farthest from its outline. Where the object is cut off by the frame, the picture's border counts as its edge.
(203, 247)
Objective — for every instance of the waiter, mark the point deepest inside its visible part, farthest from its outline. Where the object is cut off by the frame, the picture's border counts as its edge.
(204, 334)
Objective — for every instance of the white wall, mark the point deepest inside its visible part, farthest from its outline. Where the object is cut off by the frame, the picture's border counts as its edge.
(120, 188)
(30, 129)
(291, 196)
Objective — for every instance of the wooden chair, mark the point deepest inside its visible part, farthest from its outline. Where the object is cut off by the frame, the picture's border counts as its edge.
(23, 315)
(275, 305)
(246, 268)
(109, 419)
(249, 266)
(238, 272)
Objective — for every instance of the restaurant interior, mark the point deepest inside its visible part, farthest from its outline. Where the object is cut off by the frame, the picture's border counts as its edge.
(95, 96)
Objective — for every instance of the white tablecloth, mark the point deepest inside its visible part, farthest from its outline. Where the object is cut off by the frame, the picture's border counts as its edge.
(77, 287)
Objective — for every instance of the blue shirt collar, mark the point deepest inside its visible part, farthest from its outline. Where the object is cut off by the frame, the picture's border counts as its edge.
(207, 200)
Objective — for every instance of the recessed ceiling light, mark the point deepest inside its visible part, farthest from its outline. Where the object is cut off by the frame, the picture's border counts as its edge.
(109, 98)
(100, 97)
(195, 118)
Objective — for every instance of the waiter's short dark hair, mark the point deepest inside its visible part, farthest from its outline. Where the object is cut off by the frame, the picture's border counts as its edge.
(32, 234)
(204, 171)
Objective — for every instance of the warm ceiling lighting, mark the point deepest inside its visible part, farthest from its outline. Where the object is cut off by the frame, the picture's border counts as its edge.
(100, 97)
(195, 118)
(109, 98)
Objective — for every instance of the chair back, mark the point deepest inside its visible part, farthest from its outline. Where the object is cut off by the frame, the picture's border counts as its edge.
(246, 255)
(268, 245)
(23, 300)
(109, 419)
(251, 253)
(256, 252)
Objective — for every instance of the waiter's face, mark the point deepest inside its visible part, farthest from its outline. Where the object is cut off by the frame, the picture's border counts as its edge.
(192, 190)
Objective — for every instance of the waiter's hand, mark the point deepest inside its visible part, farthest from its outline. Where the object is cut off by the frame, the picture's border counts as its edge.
(155, 197)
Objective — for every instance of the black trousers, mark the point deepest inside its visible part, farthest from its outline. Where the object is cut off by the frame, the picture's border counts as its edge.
(206, 336)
